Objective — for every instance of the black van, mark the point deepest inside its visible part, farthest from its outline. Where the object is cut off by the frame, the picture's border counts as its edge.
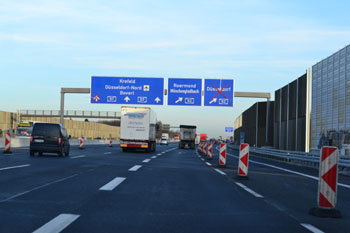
(48, 137)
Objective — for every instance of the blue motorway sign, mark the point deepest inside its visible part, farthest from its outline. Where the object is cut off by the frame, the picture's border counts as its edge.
(185, 92)
(218, 92)
(127, 90)
(229, 129)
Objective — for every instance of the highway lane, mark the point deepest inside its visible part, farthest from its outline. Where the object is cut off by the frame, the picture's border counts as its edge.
(101, 189)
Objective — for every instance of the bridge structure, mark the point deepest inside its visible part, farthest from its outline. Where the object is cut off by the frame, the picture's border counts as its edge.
(69, 114)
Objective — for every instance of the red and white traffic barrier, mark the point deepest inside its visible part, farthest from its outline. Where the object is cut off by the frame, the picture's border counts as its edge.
(81, 143)
(210, 151)
(222, 155)
(327, 185)
(7, 143)
(205, 148)
(110, 142)
(243, 160)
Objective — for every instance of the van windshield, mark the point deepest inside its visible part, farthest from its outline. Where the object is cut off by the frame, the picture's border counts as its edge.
(48, 130)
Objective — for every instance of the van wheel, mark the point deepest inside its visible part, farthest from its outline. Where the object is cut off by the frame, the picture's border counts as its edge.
(40, 153)
(31, 153)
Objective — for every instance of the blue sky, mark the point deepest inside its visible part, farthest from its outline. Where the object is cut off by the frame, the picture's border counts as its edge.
(263, 45)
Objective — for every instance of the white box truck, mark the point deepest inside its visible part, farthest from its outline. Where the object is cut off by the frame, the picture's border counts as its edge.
(138, 126)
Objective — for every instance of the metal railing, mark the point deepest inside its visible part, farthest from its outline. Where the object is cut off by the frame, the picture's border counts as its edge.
(297, 157)
(70, 113)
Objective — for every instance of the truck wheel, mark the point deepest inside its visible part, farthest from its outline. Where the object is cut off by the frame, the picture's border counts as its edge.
(124, 149)
(154, 146)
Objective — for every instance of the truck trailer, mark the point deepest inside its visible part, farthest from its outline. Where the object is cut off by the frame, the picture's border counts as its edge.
(138, 126)
(187, 136)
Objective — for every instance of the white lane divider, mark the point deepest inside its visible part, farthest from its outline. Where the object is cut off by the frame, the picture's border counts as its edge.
(135, 168)
(78, 156)
(290, 171)
(154, 157)
(159, 154)
(13, 167)
(57, 224)
(209, 164)
(107, 153)
(163, 152)
(146, 160)
(112, 184)
(221, 172)
(311, 228)
(248, 190)
(202, 159)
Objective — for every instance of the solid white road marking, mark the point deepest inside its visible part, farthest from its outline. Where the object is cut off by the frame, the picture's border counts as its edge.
(19, 166)
(107, 153)
(311, 228)
(78, 156)
(290, 171)
(221, 172)
(135, 168)
(154, 157)
(57, 224)
(146, 160)
(39, 187)
(209, 164)
(112, 184)
(248, 190)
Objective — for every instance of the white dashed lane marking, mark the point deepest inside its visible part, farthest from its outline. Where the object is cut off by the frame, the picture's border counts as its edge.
(112, 184)
(57, 224)
(221, 172)
(135, 168)
(248, 190)
(154, 157)
(78, 156)
(146, 160)
(107, 153)
(311, 228)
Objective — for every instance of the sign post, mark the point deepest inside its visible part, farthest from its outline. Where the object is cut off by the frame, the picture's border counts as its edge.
(218, 92)
(127, 90)
(184, 92)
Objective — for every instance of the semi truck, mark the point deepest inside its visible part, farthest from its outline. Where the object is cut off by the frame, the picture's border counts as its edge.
(138, 126)
(187, 136)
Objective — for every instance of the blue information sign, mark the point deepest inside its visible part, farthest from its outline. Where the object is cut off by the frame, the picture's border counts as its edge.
(242, 137)
(185, 92)
(127, 90)
(218, 92)
(229, 129)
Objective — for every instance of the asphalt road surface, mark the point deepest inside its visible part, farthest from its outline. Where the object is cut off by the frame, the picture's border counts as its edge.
(101, 189)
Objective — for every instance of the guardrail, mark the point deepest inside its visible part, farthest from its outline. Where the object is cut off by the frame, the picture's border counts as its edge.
(297, 157)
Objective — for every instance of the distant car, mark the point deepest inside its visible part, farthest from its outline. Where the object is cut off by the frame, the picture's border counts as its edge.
(98, 138)
(164, 141)
(49, 137)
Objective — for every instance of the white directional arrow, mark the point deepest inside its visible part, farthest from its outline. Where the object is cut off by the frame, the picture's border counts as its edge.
(157, 100)
(213, 101)
(179, 100)
(127, 99)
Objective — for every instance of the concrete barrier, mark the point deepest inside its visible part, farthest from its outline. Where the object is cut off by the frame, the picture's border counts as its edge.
(24, 142)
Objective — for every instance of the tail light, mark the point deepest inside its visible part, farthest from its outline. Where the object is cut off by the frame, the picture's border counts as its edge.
(31, 139)
(59, 141)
